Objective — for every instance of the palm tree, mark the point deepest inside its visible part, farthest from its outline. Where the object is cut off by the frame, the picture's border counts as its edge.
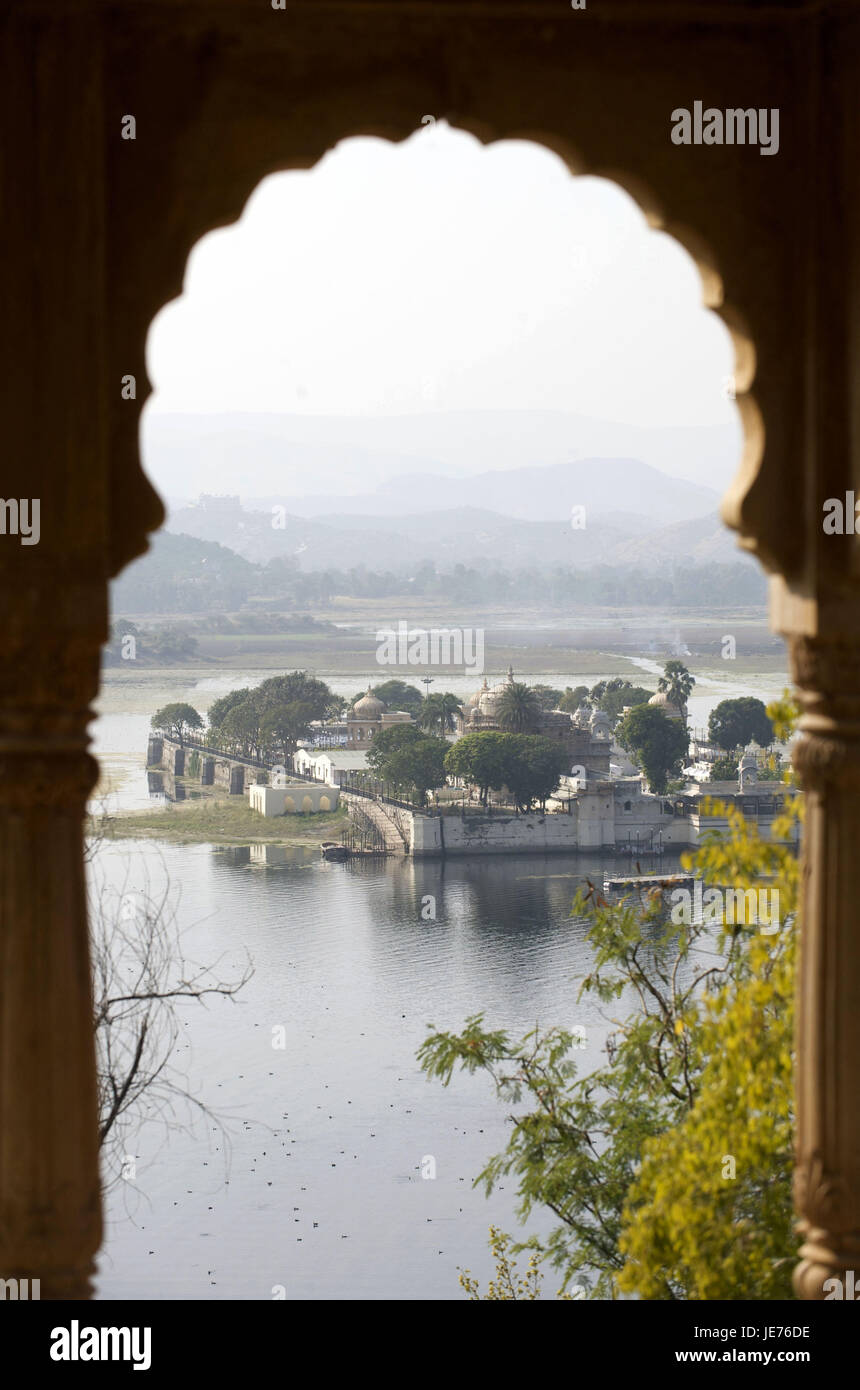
(677, 683)
(439, 713)
(518, 709)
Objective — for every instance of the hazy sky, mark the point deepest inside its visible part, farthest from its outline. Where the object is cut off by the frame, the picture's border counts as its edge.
(441, 274)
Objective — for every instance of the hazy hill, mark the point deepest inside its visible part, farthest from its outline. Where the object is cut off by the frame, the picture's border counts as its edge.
(180, 574)
(326, 460)
(705, 540)
(466, 536)
(463, 536)
(538, 493)
(517, 518)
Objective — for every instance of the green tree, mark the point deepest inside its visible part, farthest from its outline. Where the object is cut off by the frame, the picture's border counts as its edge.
(632, 1157)
(438, 713)
(509, 1285)
(296, 687)
(547, 696)
(388, 741)
(398, 695)
(176, 720)
(735, 723)
(240, 728)
(480, 760)
(405, 756)
(658, 743)
(677, 683)
(171, 644)
(572, 699)
(710, 1214)
(725, 769)
(529, 765)
(598, 691)
(613, 700)
(220, 708)
(282, 726)
(534, 768)
(518, 709)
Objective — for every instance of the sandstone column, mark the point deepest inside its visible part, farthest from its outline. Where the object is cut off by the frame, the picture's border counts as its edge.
(827, 1182)
(58, 448)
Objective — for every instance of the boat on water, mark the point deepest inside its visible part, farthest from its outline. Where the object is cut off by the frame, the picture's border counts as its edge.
(332, 850)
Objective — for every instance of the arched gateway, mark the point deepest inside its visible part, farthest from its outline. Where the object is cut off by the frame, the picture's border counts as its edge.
(224, 92)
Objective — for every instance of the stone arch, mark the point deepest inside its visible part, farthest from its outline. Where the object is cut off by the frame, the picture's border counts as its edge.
(289, 804)
(325, 802)
(307, 803)
(222, 196)
(225, 93)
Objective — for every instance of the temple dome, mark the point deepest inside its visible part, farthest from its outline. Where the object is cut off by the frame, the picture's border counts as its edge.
(488, 701)
(474, 700)
(368, 707)
(662, 701)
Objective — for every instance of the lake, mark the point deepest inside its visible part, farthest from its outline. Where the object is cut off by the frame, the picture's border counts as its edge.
(320, 1188)
(314, 1185)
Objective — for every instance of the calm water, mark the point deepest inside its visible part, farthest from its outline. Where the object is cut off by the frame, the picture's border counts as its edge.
(321, 1190)
(318, 1187)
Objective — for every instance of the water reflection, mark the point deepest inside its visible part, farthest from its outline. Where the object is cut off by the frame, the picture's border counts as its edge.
(352, 965)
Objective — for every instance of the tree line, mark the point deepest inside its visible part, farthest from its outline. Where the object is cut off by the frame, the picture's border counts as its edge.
(269, 720)
(181, 574)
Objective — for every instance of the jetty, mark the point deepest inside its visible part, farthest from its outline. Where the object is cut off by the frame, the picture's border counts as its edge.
(621, 881)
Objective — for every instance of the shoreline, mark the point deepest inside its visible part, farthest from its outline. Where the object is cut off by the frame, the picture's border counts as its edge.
(218, 821)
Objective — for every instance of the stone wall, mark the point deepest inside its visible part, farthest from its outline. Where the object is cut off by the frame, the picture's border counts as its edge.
(230, 775)
(597, 820)
(212, 770)
(434, 836)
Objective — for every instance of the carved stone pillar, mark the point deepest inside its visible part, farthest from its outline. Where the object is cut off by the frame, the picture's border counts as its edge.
(62, 445)
(50, 1222)
(827, 1181)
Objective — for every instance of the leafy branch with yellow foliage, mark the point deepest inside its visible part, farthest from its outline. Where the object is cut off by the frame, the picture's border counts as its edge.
(668, 1168)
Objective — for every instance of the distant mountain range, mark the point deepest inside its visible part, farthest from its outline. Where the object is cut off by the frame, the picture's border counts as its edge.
(387, 465)
(634, 516)
(539, 493)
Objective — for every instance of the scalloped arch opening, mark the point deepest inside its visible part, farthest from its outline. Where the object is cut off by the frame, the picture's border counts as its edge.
(573, 165)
